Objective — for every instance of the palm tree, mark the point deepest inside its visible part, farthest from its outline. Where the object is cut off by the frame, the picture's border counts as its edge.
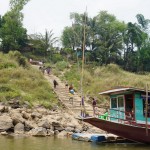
(142, 21)
(48, 40)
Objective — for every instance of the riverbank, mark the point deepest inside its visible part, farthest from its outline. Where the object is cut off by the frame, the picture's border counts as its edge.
(17, 119)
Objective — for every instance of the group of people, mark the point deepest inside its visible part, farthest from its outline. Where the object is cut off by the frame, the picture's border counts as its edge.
(83, 110)
(45, 69)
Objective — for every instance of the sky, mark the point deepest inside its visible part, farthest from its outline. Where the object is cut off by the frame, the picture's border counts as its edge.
(40, 15)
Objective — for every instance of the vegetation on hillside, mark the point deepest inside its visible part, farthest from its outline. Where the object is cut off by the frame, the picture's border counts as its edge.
(98, 79)
(19, 81)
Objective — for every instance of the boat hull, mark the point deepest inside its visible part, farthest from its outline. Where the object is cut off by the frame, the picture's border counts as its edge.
(134, 133)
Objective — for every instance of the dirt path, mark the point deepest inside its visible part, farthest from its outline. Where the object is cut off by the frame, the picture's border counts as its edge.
(63, 95)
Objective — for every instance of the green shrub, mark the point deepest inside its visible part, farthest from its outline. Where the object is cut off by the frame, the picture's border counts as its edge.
(56, 58)
(22, 61)
(7, 65)
(61, 65)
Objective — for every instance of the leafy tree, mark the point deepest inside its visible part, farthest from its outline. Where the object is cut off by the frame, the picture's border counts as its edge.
(144, 57)
(67, 38)
(108, 42)
(134, 38)
(13, 34)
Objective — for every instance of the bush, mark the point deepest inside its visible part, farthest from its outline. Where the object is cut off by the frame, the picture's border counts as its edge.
(7, 65)
(56, 58)
(61, 65)
(19, 58)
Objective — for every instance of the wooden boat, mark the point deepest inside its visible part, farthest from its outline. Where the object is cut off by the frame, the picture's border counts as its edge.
(129, 114)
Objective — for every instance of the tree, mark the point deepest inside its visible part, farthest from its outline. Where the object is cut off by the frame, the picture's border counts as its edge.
(144, 57)
(13, 34)
(134, 37)
(43, 43)
(108, 42)
(48, 40)
(68, 38)
(142, 21)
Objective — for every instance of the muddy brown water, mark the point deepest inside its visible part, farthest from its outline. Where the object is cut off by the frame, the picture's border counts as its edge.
(53, 143)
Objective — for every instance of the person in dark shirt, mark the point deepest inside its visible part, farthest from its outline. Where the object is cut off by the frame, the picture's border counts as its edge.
(55, 83)
(94, 105)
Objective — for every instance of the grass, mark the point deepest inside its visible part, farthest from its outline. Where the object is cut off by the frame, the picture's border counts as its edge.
(24, 83)
(98, 79)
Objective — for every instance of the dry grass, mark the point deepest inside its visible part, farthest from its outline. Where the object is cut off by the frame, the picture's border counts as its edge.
(25, 84)
(103, 78)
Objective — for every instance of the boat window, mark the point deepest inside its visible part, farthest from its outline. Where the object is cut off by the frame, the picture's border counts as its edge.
(144, 108)
(113, 102)
(120, 102)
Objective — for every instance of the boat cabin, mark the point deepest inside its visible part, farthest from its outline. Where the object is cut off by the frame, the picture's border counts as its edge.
(129, 104)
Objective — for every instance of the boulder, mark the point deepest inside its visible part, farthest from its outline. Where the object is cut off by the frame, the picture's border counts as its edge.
(62, 134)
(36, 115)
(30, 125)
(39, 131)
(50, 132)
(69, 129)
(19, 128)
(2, 108)
(4, 133)
(6, 123)
(25, 115)
(77, 131)
(42, 111)
(17, 118)
(57, 126)
(44, 124)
(56, 132)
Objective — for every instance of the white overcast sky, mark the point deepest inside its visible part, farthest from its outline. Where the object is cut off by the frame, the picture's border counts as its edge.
(54, 14)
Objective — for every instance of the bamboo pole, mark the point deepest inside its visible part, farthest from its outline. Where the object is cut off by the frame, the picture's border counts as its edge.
(83, 51)
(146, 109)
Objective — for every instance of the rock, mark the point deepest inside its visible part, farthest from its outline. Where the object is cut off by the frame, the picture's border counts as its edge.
(6, 123)
(26, 104)
(50, 132)
(39, 131)
(25, 115)
(77, 131)
(44, 124)
(62, 134)
(4, 133)
(30, 125)
(58, 118)
(14, 104)
(69, 129)
(19, 128)
(2, 108)
(6, 110)
(57, 126)
(42, 111)
(36, 115)
(17, 118)
(29, 111)
(56, 132)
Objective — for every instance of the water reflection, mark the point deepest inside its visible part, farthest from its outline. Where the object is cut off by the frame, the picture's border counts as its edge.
(51, 143)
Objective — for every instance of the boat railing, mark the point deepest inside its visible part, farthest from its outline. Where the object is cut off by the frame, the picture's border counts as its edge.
(121, 117)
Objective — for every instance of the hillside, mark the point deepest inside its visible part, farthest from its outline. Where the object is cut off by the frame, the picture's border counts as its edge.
(97, 79)
(22, 82)
(19, 81)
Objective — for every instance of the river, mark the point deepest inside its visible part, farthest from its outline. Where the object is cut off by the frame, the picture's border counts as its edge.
(51, 143)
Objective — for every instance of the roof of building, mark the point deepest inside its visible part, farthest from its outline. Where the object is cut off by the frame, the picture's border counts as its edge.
(121, 90)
